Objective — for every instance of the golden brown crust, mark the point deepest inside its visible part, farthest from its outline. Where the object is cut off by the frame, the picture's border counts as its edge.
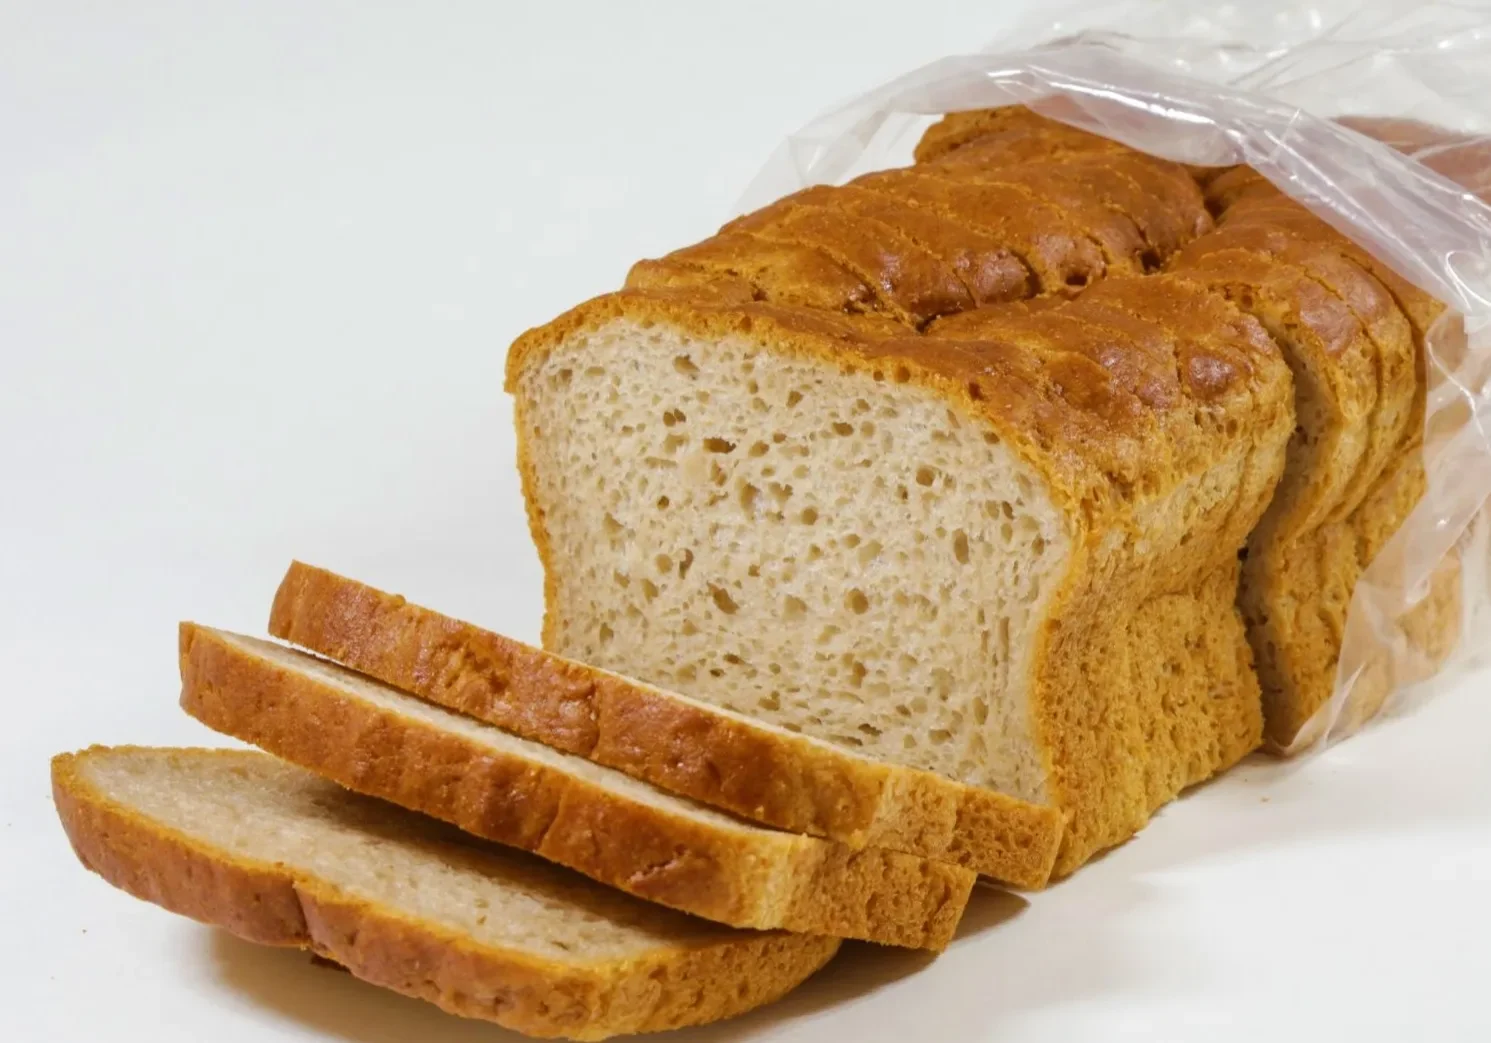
(1265, 203)
(686, 747)
(1032, 208)
(986, 267)
(1300, 578)
(672, 987)
(1173, 701)
(745, 876)
(1019, 132)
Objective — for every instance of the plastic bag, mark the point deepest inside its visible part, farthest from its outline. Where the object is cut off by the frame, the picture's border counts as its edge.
(1216, 85)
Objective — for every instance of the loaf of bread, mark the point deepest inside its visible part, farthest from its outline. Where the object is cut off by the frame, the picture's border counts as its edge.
(780, 600)
(383, 743)
(776, 475)
(736, 763)
(280, 857)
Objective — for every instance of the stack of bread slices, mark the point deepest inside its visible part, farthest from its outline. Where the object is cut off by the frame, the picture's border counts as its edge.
(939, 525)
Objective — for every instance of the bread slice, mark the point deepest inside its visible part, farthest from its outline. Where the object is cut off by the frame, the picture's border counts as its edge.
(1356, 344)
(383, 743)
(279, 857)
(756, 770)
(1008, 558)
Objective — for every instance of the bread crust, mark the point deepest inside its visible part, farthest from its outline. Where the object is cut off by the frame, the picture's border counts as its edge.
(763, 774)
(745, 877)
(672, 987)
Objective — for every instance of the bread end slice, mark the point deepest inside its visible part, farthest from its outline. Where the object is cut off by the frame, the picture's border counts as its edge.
(238, 840)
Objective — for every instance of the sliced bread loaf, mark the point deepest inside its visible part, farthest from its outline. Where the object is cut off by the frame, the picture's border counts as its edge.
(971, 555)
(756, 770)
(279, 857)
(383, 743)
(751, 480)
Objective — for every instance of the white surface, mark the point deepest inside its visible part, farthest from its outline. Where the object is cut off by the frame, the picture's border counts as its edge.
(259, 264)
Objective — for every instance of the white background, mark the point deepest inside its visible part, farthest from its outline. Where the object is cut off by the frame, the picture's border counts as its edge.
(259, 265)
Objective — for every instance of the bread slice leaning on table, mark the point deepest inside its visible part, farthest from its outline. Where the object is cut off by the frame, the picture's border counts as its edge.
(774, 475)
(280, 857)
(614, 829)
(729, 761)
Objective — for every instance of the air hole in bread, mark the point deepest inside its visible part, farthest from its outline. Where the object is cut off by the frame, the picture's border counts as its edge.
(722, 600)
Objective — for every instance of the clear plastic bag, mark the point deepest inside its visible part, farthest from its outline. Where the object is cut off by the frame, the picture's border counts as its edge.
(1215, 85)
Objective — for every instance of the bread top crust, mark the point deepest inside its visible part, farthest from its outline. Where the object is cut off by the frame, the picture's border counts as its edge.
(1028, 207)
(1082, 400)
(1020, 132)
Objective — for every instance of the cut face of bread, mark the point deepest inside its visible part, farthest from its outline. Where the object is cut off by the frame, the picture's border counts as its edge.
(732, 761)
(280, 857)
(603, 823)
(923, 548)
(845, 558)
